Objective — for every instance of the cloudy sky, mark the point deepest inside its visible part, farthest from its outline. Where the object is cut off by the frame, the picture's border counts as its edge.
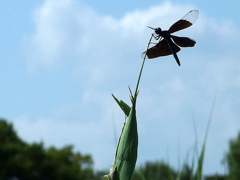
(62, 59)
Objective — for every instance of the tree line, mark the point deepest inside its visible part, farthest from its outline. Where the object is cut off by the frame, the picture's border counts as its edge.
(23, 161)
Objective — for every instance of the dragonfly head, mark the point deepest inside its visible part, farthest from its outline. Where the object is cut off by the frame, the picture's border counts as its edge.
(158, 30)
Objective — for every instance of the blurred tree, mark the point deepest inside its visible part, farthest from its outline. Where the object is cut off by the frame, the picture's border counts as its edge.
(233, 158)
(186, 173)
(31, 161)
(154, 171)
(10, 146)
(64, 164)
(215, 177)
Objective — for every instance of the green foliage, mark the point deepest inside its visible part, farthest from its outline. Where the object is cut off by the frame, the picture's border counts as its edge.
(7, 133)
(64, 164)
(155, 171)
(186, 173)
(199, 173)
(233, 158)
(216, 177)
(126, 152)
(125, 108)
(32, 161)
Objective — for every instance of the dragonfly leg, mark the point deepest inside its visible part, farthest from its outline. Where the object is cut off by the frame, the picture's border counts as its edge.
(156, 36)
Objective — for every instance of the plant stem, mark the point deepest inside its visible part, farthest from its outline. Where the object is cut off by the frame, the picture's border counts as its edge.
(140, 74)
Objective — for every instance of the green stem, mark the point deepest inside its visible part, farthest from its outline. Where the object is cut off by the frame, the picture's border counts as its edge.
(140, 74)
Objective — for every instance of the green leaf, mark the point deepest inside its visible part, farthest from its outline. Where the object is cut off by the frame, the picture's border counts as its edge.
(200, 164)
(126, 109)
(201, 158)
(126, 152)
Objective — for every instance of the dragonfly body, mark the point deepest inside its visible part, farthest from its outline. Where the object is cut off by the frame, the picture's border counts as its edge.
(169, 44)
(167, 36)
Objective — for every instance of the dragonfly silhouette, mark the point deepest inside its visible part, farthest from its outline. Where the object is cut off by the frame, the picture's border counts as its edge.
(166, 46)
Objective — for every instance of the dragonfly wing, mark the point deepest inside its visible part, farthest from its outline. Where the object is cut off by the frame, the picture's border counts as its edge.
(161, 49)
(183, 41)
(185, 22)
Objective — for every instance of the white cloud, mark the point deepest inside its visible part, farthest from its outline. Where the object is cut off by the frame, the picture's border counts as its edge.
(105, 56)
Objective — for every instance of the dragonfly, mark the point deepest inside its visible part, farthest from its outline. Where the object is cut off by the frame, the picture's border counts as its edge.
(169, 44)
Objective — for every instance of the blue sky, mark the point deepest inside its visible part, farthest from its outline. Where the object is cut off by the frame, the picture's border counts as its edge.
(62, 59)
